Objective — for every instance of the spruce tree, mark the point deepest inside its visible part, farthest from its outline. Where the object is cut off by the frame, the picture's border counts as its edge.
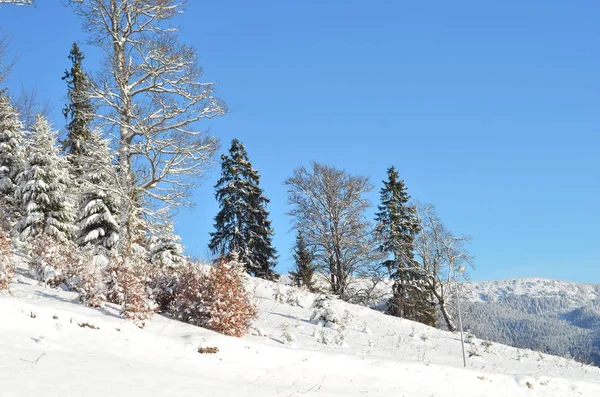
(42, 188)
(79, 112)
(242, 226)
(97, 217)
(11, 155)
(302, 276)
(165, 249)
(396, 228)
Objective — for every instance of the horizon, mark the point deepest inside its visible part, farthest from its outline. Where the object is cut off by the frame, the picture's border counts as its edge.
(488, 111)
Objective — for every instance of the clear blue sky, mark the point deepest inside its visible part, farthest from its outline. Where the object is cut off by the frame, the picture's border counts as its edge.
(489, 110)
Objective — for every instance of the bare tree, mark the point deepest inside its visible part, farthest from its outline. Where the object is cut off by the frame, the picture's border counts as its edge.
(5, 65)
(149, 97)
(30, 106)
(440, 253)
(328, 209)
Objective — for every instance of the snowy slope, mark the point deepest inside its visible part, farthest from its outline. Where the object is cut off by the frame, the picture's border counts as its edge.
(46, 349)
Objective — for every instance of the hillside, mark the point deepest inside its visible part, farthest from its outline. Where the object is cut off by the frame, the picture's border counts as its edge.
(557, 317)
(52, 346)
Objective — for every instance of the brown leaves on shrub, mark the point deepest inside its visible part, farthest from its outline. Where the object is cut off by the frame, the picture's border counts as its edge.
(6, 265)
(132, 280)
(215, 300)
(55, 262)
(208, 350)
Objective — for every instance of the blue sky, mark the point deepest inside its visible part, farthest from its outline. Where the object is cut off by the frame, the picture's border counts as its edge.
(489, 110)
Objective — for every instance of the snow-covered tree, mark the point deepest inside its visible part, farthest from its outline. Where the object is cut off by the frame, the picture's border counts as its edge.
(396, 228)
(168, 262)
(79, 112)
(302, 276)
(242, 224)
(328, 209)
(42, 188)
(151, 98)
(439, 254)
(11, 154)
(165, 249)
(99, 195)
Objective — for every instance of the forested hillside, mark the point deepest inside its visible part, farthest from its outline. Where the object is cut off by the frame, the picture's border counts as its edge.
(551, 316)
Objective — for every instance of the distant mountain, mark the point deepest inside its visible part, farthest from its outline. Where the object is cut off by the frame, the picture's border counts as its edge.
(556, 317)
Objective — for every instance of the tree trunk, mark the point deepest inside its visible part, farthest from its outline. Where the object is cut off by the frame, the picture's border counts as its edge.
(447, 316)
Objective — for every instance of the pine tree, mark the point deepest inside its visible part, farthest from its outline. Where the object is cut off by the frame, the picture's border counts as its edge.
(166, 256)
(97, 218)
(305, 270)
(79, 112)
(42, 188)
(396, 228)
(242, 225)
(11, 155)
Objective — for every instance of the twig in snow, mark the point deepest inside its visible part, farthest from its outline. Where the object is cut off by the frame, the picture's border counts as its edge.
(36, 361)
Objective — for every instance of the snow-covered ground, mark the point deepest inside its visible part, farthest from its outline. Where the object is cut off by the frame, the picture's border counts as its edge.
(52, 346)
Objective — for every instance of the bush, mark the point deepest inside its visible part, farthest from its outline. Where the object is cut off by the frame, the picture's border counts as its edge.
(92, 288)
(56, 263)
(292, 296)
(215, 300)
(191, 296)
(325, 310)
(6, 265)
(132, 276)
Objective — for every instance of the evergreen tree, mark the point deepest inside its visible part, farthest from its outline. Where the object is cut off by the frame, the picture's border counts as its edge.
(42, 188)
(11, 154)
(97, 217)
(305, 270)
(242, 225)
(79, 112)
(165, 249)
(396, 228)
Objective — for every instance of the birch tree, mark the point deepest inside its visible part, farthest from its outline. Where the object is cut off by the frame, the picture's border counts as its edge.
(149, 97)
(328, 207)
(440, 253)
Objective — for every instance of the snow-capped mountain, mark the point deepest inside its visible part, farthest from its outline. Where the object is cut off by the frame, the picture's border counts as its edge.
(571, 293)
(557, 317)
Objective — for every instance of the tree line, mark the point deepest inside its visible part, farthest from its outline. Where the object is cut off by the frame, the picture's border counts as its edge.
(133, 151)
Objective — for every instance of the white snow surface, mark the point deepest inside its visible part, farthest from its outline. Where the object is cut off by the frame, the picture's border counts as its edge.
(44, 351)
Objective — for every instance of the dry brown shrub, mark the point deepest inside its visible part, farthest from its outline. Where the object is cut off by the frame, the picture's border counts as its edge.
(208, 350)
(56, 263)
(132, 278)
(7, 271)
(216, 300)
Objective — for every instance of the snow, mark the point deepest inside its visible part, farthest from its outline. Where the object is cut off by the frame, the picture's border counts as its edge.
(49, 347)
(497, 290)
